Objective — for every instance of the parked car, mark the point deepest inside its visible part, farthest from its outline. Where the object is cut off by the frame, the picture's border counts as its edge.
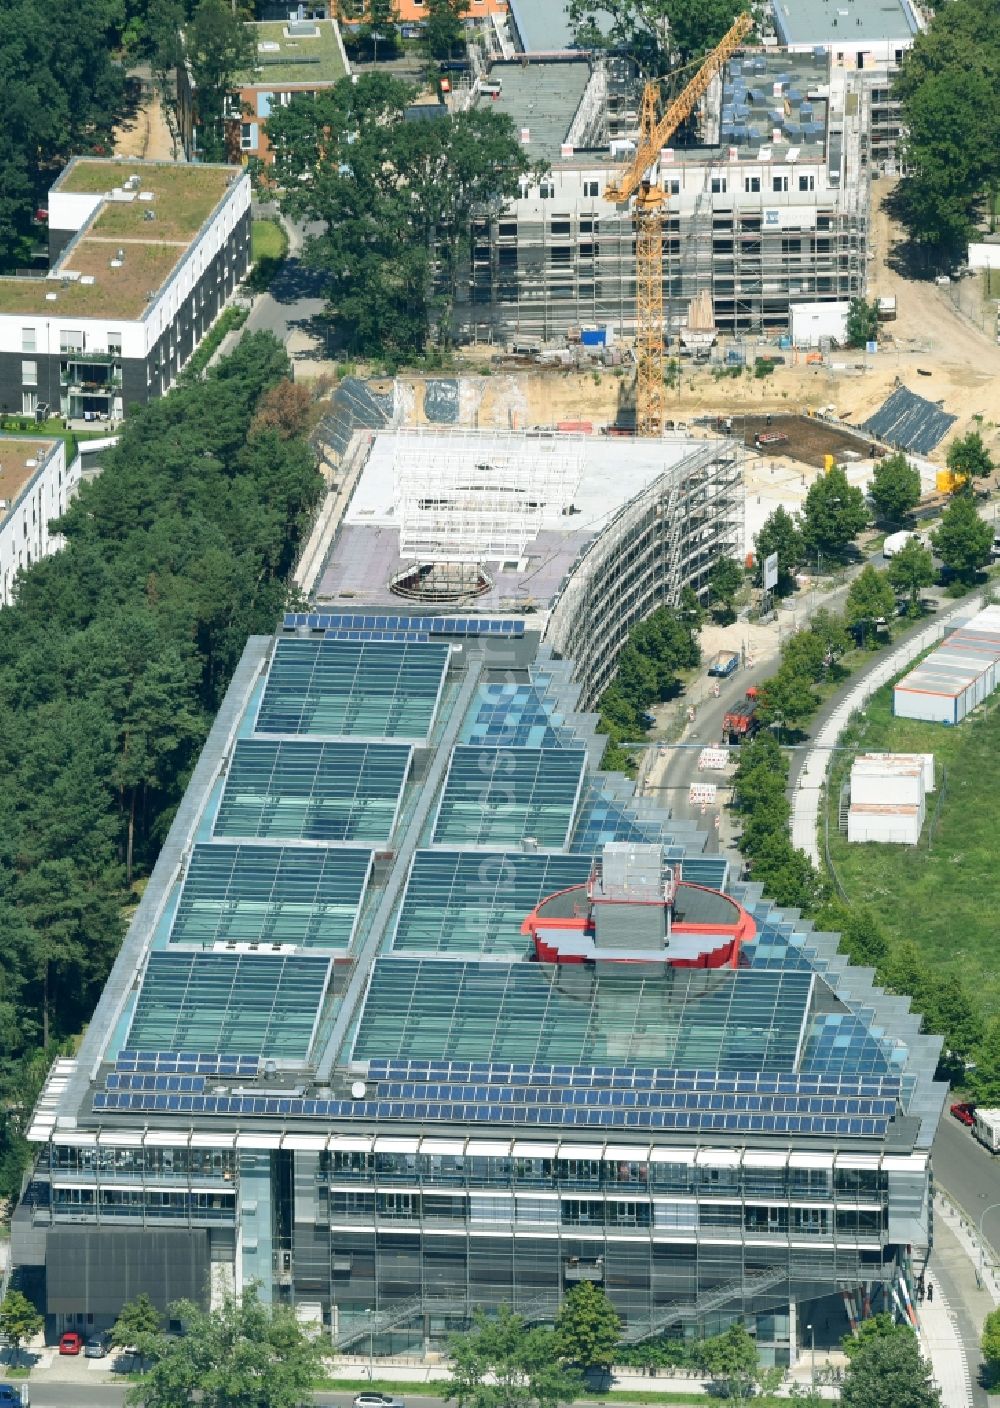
(98, 1346)
(377, 1400)
(965, 1114)
(9, 1396)
(70, 1343)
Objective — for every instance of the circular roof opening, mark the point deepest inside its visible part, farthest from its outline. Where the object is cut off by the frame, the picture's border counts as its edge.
(441, 582)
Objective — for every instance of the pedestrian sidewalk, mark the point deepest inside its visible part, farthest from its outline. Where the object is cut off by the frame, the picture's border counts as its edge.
(942, 1343)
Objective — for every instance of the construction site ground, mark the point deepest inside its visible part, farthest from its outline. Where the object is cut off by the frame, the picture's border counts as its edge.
(948, 332)
(807, 440)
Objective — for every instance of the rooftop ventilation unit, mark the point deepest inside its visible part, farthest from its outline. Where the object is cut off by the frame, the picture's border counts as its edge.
(302, 29)
(268, 46)
(87, 279)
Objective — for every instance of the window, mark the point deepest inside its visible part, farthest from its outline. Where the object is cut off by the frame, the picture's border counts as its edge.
(779, 183)
(28, 340)
(29, 400)
(114, 343)
(591, 188)
(719, 185)
(807, 183)
(29, 373)
(70, 340)
(248, 136)
(546, 191)
(751, 183)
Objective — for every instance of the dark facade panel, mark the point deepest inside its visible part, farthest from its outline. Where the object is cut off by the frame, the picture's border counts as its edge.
(97, 1269)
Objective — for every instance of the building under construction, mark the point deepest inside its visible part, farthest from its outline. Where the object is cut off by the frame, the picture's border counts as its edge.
(767, 200)
(582, 536)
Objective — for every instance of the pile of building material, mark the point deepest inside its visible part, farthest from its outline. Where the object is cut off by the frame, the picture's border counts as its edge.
(956, 677)
(889, 797)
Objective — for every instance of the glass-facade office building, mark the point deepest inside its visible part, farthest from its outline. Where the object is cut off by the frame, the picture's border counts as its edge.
(373, 1042)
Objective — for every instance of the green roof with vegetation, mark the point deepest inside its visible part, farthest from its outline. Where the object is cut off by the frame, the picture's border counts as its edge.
(153, 230)
(309, 56)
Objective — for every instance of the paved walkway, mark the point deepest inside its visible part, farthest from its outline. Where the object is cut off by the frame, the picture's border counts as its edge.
(815, 763)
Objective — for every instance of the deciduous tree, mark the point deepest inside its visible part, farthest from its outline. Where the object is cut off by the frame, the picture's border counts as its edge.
(780, 533)
(394, 199)
(862, 322)
(895, 487)
(500, 1363)
(969, 457)
(889, 1372)
(724, 582)
(870, 600)
(963, 540)
(19, 1321)
(588, 1328)
(834, 514)
(910, 569)
(245, 1352)
(219, 47)
(444, 29)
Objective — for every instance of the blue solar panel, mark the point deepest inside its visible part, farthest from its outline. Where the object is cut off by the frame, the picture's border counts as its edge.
(866, 1125)
(436, 625)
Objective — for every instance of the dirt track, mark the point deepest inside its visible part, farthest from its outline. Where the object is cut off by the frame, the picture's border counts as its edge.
(808, 440)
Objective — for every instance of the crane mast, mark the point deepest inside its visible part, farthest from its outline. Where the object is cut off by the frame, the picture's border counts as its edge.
(650, 200)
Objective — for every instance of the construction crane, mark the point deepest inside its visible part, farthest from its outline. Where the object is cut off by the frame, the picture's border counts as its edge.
(650, 198)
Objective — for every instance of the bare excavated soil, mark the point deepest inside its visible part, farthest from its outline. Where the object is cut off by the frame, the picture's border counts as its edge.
(808, 439)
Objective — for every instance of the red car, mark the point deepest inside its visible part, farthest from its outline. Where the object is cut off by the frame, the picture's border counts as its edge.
(70, 1343)
(964, 1113)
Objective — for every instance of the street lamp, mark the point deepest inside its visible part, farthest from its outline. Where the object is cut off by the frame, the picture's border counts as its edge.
(812, 1345)
(982, 1219)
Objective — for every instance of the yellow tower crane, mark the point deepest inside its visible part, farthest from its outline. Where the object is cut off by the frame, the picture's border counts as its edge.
(650, 199)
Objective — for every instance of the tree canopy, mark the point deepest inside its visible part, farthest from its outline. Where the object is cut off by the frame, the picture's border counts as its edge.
(394, 198)
(219, 46)
(910, 569)
(887, 1370)
(19, 1320)
(963, 539)
(501, 1363)
(870, 600)
(60, 95)
(588, 1328)
(833, 515)
(949, 86)
(969, 457)
(895, 487)
(114, 658)
(862, 322)
(780, 533)
(243, 1353)
(661, 35)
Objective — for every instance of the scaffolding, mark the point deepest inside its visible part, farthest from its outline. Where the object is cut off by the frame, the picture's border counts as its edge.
(477, 496)
(775, 216)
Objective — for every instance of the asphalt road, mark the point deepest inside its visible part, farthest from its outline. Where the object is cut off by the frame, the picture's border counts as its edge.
(295, 297)
(970, 1175)
(77, 1395)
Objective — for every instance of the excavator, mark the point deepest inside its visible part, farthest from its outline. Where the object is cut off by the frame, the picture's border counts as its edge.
(650, 201)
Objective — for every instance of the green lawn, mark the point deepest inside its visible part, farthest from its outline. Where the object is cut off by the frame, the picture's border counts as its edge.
(943, 894)
(438, 1388)
(268, 247)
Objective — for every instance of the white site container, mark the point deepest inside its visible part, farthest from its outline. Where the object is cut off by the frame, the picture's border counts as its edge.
(887, 782)
(900, 826)
(925, 760)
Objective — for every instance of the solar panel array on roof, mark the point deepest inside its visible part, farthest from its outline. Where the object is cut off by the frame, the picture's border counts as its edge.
(541, 1013)
(501, 796)
(241, 1004)
(307, 896)
(193, 1062)
(909, 422)
(342, 688)
(471, 902)
(434, 625)
(312, 791)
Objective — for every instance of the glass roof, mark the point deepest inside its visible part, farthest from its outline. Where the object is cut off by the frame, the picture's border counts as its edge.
(308, 896)
(515, 716)
(530, 1012)
(471, 902)
(343, 688)
(500, 796)
(313, 791)
(243, 1004)
(601, 820)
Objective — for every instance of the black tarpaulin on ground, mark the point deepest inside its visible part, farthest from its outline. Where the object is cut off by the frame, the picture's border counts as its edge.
(909, 422)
